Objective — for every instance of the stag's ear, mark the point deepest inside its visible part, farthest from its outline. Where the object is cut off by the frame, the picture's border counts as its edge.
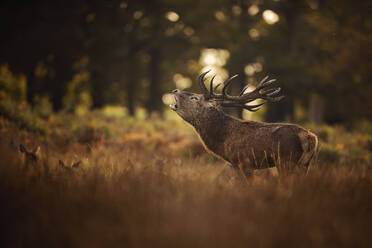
(36, 151)
(76, 165)
(22, 149)
(60, 162)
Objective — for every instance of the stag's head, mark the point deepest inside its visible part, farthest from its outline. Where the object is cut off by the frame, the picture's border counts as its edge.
(192, 107)
(31, 157)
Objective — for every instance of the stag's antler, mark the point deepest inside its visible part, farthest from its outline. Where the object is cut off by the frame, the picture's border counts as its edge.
(269, 94)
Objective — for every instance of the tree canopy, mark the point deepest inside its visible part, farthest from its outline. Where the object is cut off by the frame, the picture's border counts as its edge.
(132, 53)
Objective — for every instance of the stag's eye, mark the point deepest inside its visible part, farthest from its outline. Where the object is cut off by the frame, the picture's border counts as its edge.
(195, 98)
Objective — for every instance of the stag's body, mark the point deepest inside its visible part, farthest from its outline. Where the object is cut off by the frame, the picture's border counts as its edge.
(246, 145)
(255, 145)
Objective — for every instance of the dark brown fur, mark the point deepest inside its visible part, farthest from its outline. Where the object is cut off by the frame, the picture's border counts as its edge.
(246, 145)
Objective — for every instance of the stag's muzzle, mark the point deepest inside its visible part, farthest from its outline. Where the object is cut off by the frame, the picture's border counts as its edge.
(176, 104)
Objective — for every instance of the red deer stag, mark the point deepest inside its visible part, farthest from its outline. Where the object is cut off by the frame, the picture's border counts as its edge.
(67, 167)
(246, 145)
(31, 157)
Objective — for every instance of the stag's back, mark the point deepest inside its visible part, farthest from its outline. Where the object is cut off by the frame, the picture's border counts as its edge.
(259, 145)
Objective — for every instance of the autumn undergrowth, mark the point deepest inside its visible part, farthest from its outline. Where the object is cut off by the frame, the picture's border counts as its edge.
(148, 185)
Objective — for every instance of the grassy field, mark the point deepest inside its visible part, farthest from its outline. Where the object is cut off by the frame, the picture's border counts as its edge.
(148, 182)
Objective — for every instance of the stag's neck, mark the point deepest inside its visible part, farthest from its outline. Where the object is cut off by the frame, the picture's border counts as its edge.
(212, 129)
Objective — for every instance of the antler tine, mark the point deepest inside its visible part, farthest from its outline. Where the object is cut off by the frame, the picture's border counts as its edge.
(226, 84)
(215, 87)
(244, 89)
(272, 91)
(275, 99)
(265, 83)
(252, 108)
(211, 86)
(263, 80)
(202, 85)
(226, 100)
(267, 95)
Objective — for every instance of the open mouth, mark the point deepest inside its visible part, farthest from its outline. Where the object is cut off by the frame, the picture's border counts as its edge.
(174, 106)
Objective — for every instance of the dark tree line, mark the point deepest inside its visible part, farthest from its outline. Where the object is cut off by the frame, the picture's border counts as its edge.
(126, 52)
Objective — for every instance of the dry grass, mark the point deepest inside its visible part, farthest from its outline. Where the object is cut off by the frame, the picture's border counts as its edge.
(128, 196)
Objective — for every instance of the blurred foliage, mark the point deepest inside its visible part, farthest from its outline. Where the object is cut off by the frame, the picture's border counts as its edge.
(43, 107)
(363, 126)
(342, 147)
(12, 85)
(329, 154)
(92, 53)
(13, 103)
(78, 98)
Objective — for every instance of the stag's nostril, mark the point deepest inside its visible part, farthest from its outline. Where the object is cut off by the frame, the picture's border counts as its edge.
(175, 91)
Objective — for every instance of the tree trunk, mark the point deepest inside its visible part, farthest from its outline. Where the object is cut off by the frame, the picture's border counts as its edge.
(316, 109)
(280, 111)
(30, 91)
(97, 89)
(64, 74)
(154, 103)
(284, 111)
(131, 83)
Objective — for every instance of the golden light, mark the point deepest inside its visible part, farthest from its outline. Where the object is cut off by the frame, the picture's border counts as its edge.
(168, 99)
(236, 10)
(248, 115)
(250, 88)
(176, 77)
(214, 60)
(210, 59)
(123, 5)
(257, 67)
(220, 16)
(249, 70)
(220, 74)
(214, 57)
(254, 34)
(172, 16)
(270, 17)
(137, 15)
(181, 81)
(251, 80)
(188, 31)
(253, 10)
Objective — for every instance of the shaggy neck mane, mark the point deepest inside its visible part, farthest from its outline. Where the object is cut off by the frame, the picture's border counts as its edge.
(212, 128)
